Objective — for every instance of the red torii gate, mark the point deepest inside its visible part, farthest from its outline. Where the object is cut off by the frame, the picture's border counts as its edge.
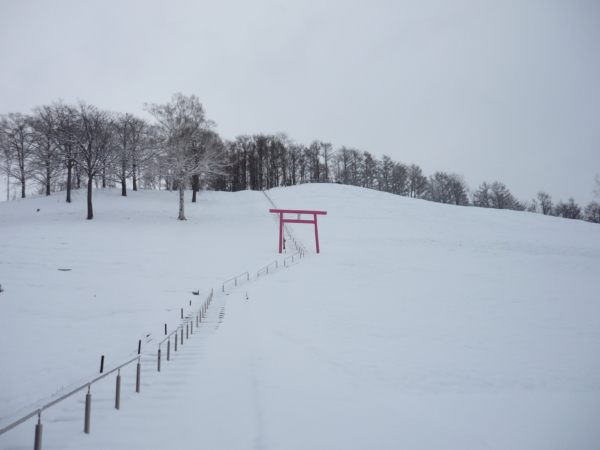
(281, 212)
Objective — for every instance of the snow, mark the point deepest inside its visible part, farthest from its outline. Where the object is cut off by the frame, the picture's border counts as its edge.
(419, 325)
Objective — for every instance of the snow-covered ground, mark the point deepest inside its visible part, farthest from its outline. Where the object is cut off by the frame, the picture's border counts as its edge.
(419, 326)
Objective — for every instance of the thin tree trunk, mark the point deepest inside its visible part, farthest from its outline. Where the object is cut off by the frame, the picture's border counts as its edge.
(134, 177)
(181, 203)
(195, 186)
(47, 181)
(123, 185)
(69, 180)
(90, 215)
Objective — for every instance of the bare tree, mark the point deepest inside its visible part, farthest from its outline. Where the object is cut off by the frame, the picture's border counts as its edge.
(6, 162)
(181, 124)
(47, 156)
(18, 136)
(496, 195)
(369, 170)
(459, 190)
(313, 153)
(385, 173)
(133, 145)
(327, 155)
(568, 210)
(597, 185)
(89, 132)
(356, 163)
(417, 182)
(545, 203)
(592, 212)
(57, 121)
(447, 188)
(500, 196)
(481, 196)
(438, 188)
(399, 182)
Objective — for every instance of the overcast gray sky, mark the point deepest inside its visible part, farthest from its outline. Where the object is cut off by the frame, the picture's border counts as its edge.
(494, 90)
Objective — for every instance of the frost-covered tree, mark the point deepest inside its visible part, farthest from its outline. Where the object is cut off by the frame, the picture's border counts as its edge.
(592, 212)
(208, 145)
(180, 125)
(597, 185)
(568, 210)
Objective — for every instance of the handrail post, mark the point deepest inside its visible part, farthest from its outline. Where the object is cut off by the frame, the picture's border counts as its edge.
(138, 376)
(118, 391)
(88, 411)
(181, 343)
(159, 358)
(39, 428)
(169, 350)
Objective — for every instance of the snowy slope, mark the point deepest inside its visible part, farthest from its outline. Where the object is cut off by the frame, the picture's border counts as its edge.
(132, 268)
(418, 326)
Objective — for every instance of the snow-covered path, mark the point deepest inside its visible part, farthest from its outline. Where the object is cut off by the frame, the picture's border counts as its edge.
(419, 326)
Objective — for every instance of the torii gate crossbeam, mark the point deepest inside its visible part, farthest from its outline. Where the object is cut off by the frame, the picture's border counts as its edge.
(281, 212)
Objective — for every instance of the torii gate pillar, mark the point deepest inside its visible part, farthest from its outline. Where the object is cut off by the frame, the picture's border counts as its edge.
(281, 212)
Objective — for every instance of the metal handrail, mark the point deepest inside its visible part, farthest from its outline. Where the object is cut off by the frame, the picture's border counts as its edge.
(235, 278)
(197, 314)
(299, 246)
(39, 409)
(63, 397)
(267, 267)
(292, 256)
(188, 318)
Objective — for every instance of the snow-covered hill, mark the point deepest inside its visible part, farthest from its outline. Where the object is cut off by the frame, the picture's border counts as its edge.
(419, 325)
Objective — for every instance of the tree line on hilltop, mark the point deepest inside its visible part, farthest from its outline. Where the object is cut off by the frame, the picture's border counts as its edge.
(65, 147)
